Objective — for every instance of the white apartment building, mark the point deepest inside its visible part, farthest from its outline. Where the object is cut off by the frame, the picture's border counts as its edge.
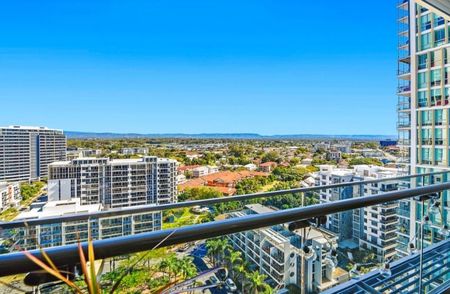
(114, 183)
(66, 233)
(9, 195)
(134, 151)
(276, 253)
(204, 171)
(373, 227)
(26, 152)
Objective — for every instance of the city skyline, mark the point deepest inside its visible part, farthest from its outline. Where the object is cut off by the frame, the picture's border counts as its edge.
(128, 69)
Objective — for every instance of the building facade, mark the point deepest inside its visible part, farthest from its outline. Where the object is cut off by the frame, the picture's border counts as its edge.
(9, 195)
(423, 105)
(373, 228)
(114, 183)
(26, 152)
(276, 253)
(65, 233)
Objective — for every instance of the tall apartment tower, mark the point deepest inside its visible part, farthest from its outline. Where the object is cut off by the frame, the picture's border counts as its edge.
(371, 227)
(26, 152)
(114, 183)
(423, 107)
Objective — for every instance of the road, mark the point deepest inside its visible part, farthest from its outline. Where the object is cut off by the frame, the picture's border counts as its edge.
(198, 253)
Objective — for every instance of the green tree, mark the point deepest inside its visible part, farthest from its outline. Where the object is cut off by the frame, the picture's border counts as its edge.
(256, 283)
(368, 161)
(234, 259)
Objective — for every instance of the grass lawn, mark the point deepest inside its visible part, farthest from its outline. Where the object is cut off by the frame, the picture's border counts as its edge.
(186, 218)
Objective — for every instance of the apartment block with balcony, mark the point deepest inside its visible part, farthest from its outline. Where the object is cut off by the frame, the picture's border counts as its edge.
(371, 228)
(114, 183)
(276, 253)
(424, 86)
(72, 232)
(26, 152)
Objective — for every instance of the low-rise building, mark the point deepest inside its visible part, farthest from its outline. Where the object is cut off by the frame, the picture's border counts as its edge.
(277, 253)
(134, 151)
(251, 167)
(204, 170)
(334, 155)
(268, 167)
(9, 195)
(224, 181)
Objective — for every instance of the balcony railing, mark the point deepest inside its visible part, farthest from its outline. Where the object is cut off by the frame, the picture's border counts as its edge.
(427, 184)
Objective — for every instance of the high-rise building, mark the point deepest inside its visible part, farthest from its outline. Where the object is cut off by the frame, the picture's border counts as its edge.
(423, 103)
(114, 183)
(95, 184)
(372, 228)
(26, 152)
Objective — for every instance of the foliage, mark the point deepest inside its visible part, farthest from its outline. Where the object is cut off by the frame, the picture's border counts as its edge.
(271, 156)
(288, 200)
(368, 161)
(199, 193)
(289, 174)
(31, 190)
(252, 185)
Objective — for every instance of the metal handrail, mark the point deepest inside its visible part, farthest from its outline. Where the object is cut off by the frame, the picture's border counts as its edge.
(205, 202)
(18, 262)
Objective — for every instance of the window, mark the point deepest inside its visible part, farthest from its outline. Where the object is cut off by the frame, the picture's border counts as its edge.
(435, 77)
(422, 99)
(439, 37)
(425, 41)
(422, 61)
(422, 80)
(425, 22)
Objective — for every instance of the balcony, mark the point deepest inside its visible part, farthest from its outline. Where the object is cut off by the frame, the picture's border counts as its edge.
(404, 125)
(404, 91)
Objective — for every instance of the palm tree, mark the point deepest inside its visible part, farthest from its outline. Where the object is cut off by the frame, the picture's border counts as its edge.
(257, 284)
(187, 267)
(234, 258)
(223, 248)
(240, 273)
(213, 249)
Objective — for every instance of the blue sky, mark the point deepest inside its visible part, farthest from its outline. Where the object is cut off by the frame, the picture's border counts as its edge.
(199, 66)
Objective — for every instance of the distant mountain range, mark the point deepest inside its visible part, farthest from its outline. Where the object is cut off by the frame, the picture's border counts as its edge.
(242, 136)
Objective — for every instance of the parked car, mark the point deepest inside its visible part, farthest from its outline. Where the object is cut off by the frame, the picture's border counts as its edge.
(222, 274)
(214, 280)
(231, 285)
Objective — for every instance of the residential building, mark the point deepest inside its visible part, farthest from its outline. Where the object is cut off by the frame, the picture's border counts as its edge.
(268, 167)
(334, 155)
(72, 232)
(26, 152)
(114, 183)
(251, 167)
(423, 105)
(204, 170)
(134, 151)
(224, 181)
(343, 146)
(373, 228)
(277, 253)
(9, 195)
(82, 152)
